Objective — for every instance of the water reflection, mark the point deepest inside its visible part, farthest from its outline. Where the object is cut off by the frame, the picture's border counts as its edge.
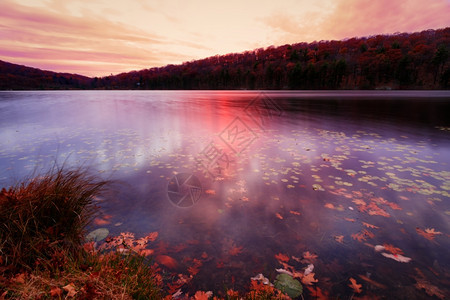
(328, 174)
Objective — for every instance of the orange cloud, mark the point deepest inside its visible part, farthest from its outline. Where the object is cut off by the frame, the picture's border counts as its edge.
(42, 37)
(367, 17)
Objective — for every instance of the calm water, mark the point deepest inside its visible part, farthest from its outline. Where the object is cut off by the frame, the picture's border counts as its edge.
(231, 180)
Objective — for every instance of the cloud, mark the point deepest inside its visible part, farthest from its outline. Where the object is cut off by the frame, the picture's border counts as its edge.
(40, 34)
(349, 18)
(367, 17)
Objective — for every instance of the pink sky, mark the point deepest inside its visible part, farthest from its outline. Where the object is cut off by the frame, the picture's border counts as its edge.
(100, 37)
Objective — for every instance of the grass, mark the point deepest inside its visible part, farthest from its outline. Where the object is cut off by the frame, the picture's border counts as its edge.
(42, 249)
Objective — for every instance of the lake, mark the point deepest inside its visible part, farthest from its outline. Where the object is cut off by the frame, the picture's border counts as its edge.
(338, 184)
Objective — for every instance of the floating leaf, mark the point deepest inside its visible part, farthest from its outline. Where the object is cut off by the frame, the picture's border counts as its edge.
(282, 257)
(339, 238)
(399, 258)
(355, 286)
(288, 285)
(97, 235)
(309, 279)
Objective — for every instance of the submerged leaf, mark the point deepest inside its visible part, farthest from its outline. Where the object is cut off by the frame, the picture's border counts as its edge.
(97, 235)
(285, 283)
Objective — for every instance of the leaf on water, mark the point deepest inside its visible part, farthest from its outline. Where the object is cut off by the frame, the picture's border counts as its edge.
(349, 219)
(146, 252)
(394, 206)
(370, 225)
(309, 257)
(318, 294)
(355, 286)
(167, 261)
(339, 238)
(97, 235)
(282, 257)
(200, 295)
(260, 277)
(309, 279)
(428, 233)
(318, 187)
(288, 285)
(234, 250)
(101, 222)
(295, 212)
(430, 289)
(392, 249)
(284, 271)
(432, 231)
(399, 258)
(329, 205)
(152, 236)
(279, 216)
(379, 248)
(309, 269)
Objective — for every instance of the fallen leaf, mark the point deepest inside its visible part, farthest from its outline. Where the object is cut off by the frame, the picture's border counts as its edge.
(56, 292)
(282, 257)
(370, 225)
(19, 278)
(339, 238)
(309, 257)
(318, 294)
(167, 261)
(100, 221)
(260, 277)
(284, 271)
(309, 279)
(200, 295)
(279, 216)
(355, 286)
(399, 258)
(234, 250)
(428, 233)
(152, 236)
(392, 249)
(430, 289)
(295, 212)
(146, 252)
(329, 205)
(309, 269)
(70, 289)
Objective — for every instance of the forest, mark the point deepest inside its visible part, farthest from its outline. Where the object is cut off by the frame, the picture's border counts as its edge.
(398, 61)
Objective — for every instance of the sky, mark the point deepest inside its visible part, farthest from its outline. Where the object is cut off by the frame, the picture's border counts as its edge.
(103, 37)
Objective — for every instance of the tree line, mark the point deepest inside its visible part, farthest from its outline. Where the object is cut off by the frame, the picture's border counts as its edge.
(399, 61)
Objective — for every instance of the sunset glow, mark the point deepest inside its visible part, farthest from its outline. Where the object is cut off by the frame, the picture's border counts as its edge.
(99, 37)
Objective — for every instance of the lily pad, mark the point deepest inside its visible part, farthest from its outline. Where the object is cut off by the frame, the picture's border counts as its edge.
(97, 235)
(288, 285)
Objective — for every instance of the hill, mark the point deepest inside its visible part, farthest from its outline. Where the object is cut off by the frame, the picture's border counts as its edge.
(400, 61)
(18, 77)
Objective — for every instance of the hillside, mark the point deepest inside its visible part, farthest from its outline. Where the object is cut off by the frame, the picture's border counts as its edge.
(400, 61)
(18, 77)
